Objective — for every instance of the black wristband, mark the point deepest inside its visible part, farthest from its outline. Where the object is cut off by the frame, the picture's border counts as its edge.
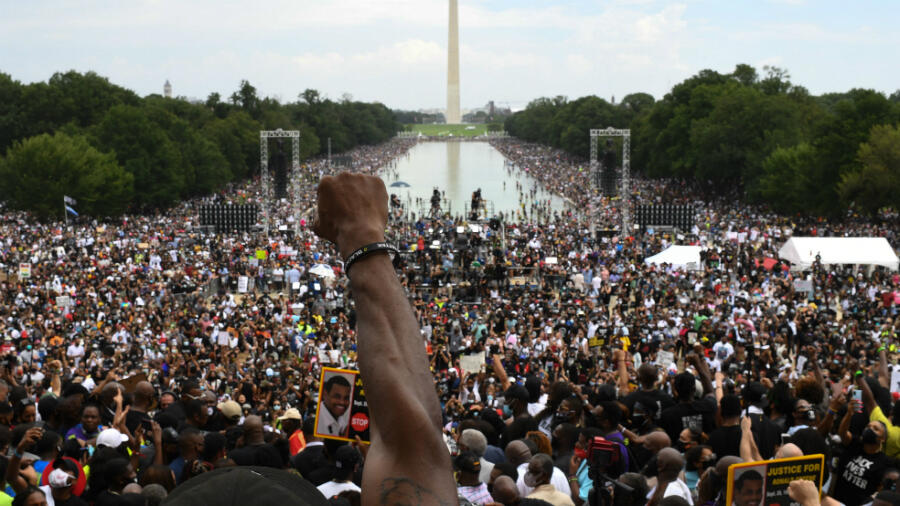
(367, 250)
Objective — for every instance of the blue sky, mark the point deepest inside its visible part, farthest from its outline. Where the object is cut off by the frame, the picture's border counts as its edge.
(394, 51)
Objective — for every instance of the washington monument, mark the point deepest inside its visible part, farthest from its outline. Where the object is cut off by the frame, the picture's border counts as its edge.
(453, 68)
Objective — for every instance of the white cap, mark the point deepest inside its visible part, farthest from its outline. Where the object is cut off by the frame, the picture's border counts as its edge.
(111, 438)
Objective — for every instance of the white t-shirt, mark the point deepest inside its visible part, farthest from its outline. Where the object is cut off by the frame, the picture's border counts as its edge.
(676, 487)
(558, 480)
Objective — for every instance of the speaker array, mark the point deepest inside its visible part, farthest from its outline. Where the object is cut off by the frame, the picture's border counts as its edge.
(228, 217)
(665, 215)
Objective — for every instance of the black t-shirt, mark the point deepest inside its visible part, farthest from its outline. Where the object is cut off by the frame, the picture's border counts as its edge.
(726, 441)
(858, 474)
(72, 501)
(699, 415)
(653, 397)
(257, 455)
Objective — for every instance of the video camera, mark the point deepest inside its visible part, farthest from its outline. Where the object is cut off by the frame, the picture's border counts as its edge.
(605, 459)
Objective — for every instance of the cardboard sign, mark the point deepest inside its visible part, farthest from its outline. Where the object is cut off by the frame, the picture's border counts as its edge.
(665, 358)
(342, 411)
(472, 364)
(130, 383)
(766, 482)
(24, 271)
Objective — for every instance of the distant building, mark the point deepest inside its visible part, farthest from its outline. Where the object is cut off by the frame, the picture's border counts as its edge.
(167, 89)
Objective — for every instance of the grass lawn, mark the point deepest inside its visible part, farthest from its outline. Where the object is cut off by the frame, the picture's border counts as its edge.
(447, 130)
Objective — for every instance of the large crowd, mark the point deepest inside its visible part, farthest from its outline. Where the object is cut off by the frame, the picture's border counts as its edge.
(140, 353)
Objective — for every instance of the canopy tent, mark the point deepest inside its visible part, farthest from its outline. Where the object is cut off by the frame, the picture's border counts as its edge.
(802, 251)
(685, 257)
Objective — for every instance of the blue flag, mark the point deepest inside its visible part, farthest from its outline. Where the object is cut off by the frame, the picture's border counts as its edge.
(69, 209)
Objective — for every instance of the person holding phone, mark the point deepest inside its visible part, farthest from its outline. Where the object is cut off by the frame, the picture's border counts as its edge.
(863, 462)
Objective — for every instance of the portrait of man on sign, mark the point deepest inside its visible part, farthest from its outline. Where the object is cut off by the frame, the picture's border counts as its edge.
(333, 413)
(749, 488)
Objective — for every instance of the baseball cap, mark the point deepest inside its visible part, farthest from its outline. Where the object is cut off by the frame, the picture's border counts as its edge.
(111, 438)
(291, 414)
(230, 409)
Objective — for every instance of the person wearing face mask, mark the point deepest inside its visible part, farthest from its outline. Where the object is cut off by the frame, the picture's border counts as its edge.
(804, 416)
(863, 463)
(697, 460)
(537, 477)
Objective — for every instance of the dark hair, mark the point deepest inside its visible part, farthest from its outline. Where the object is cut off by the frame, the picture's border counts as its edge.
(693, 455)
(507, 469)
(336, 380)
(685, 386)
(194, 408)
(23, 496)
(113, 471)
(751, 475)
(730, 406)
(189, 385)
(213, 443)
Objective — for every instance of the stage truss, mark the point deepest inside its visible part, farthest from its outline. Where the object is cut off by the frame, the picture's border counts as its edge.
(264, 136)
(624, 191)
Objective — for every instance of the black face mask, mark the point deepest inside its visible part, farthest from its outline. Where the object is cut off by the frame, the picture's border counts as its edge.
(869, 437)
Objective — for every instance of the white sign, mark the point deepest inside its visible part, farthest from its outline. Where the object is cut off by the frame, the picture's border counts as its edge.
(551, 261)
(243, 281)
(472, 364)
(665, 358)
(24, 270)
(64, 301)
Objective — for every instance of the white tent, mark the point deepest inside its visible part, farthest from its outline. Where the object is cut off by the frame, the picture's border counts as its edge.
(685, 257)
(802, 251)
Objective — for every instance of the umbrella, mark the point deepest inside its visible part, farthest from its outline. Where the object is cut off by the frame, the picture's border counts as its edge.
(322, 270)
(246, 485)
(400, 184)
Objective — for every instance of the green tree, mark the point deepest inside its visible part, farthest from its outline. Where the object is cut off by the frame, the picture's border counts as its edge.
(876, 182)
(38, 171)
(144, 150)
(789, 178)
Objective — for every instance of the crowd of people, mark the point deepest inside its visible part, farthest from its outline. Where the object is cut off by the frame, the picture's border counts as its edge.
(141, 353)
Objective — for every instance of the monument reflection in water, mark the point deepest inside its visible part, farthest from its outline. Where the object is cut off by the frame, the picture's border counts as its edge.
(458, 169)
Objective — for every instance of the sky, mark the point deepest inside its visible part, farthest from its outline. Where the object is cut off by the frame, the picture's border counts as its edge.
(395, 51)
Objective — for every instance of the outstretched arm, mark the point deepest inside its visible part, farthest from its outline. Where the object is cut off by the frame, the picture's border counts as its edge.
(408, 462)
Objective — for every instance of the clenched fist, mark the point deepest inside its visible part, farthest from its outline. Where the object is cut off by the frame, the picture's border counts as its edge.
(352, 211)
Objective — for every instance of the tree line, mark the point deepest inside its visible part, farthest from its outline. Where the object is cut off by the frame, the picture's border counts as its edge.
(113, 151)
(761, 135)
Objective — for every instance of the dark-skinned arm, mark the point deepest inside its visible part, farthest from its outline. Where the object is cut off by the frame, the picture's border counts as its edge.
(407, 462)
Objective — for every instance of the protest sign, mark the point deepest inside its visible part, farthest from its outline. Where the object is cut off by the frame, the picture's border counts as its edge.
(665, 358)
(766, 482)
(243, 281)
(130, 383)
(342, 412)
(24, 271)
(472, 364)
(64, 301)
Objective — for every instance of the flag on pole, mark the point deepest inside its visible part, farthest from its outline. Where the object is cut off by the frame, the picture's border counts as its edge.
(69, 209)
(69, 200)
